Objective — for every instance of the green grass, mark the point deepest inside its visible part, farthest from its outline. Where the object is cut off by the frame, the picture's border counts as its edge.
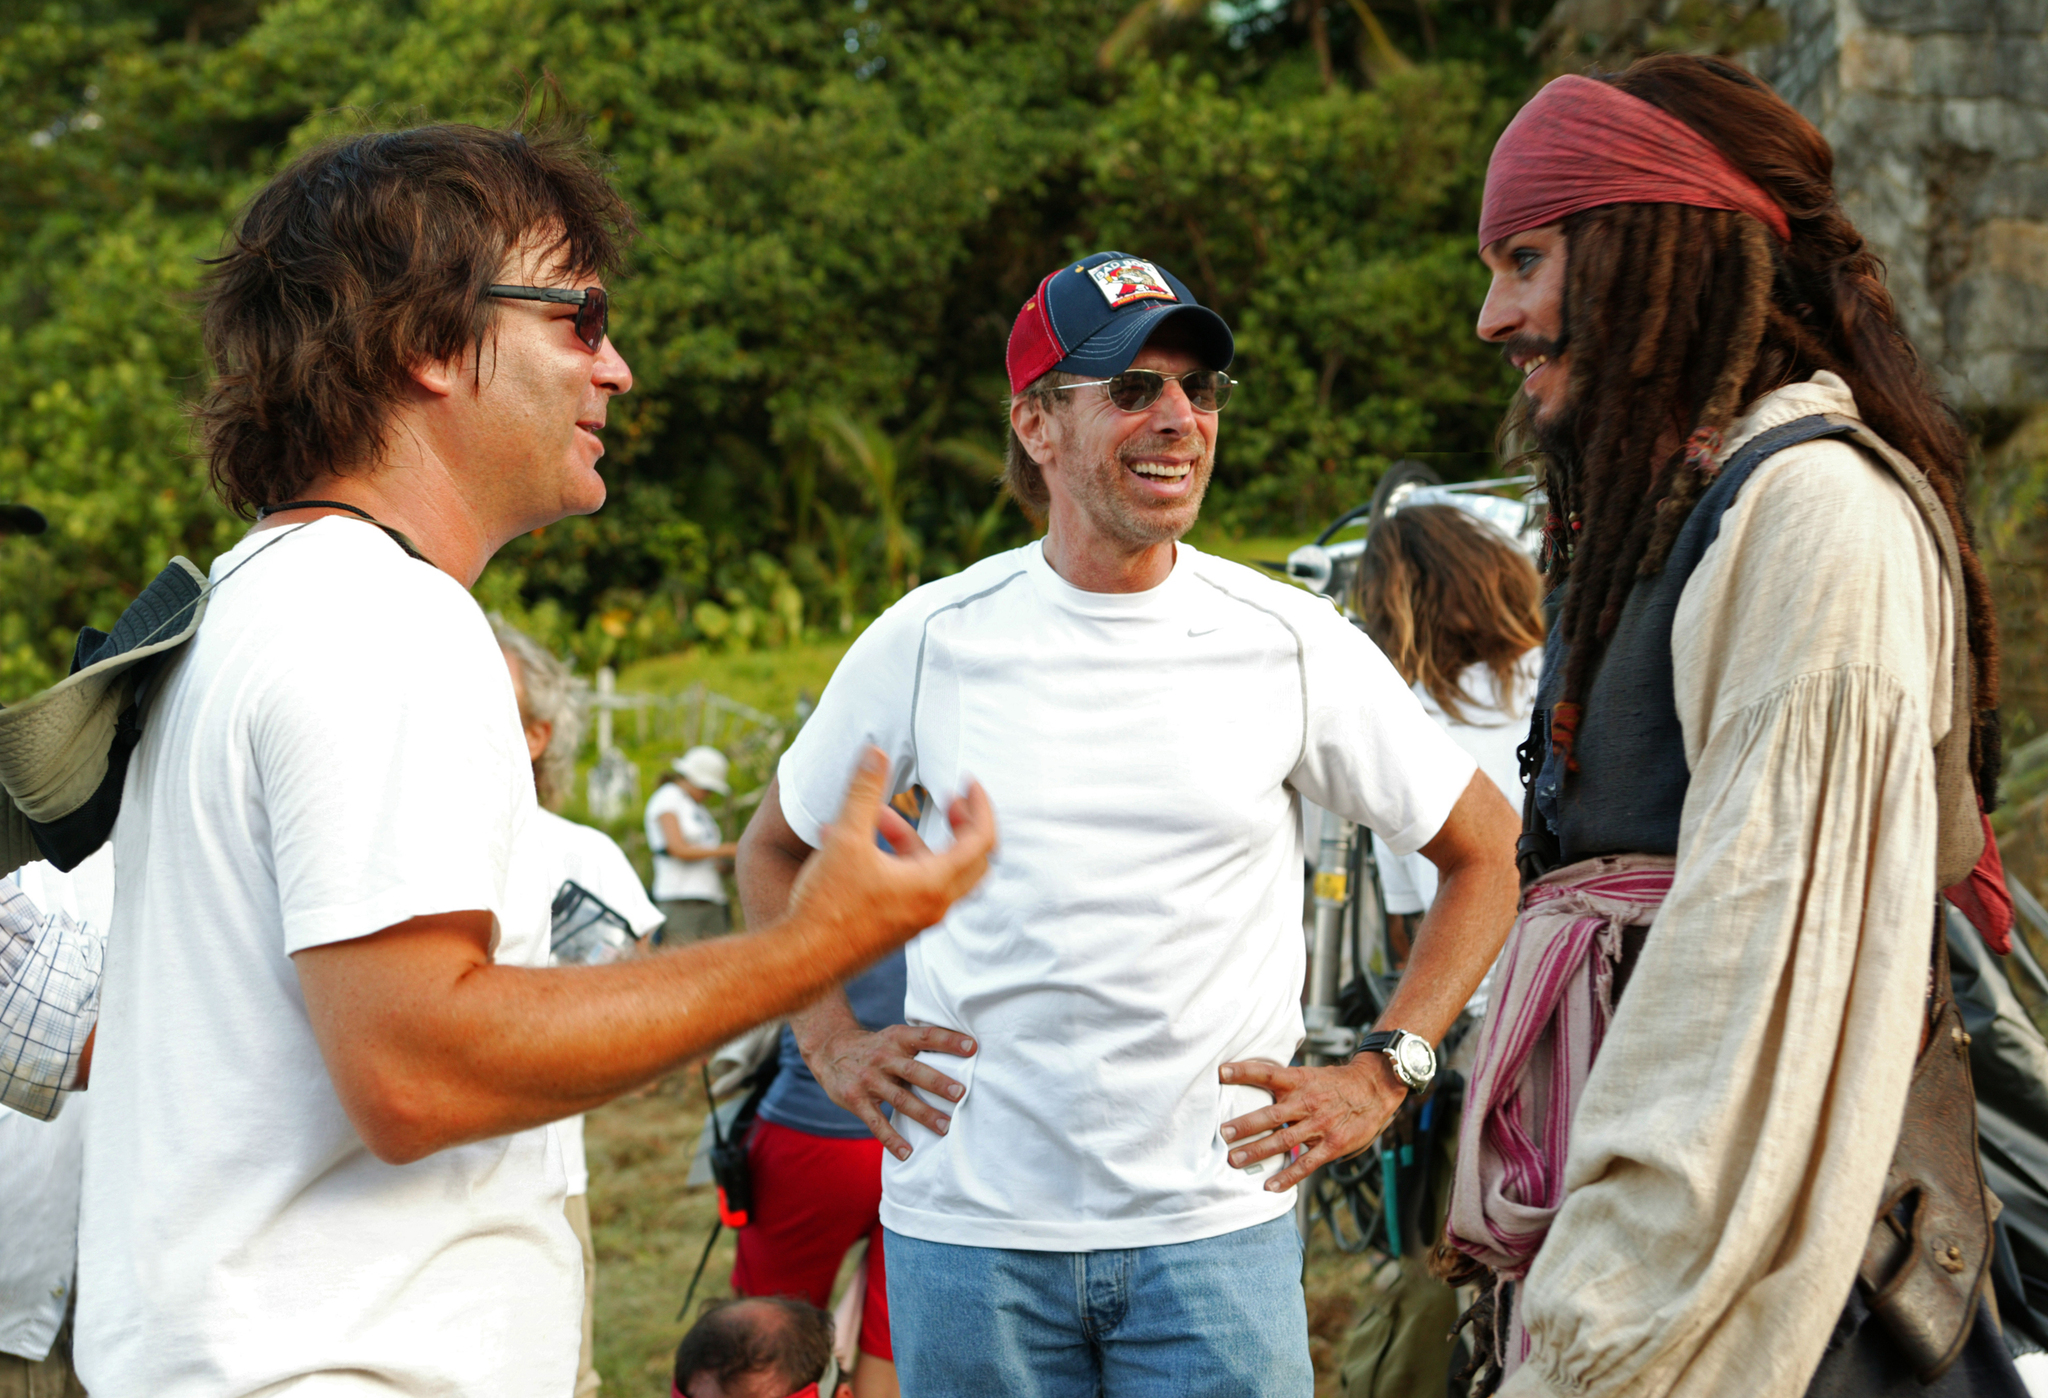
(648, 1230)
(768, 680)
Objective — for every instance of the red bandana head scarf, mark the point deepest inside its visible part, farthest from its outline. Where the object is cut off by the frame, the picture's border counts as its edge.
(1580, 144)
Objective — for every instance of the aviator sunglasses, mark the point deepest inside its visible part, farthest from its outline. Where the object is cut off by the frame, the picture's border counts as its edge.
(1135, 390)
(593, 308)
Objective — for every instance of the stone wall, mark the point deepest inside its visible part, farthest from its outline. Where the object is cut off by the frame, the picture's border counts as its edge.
(1938, 113)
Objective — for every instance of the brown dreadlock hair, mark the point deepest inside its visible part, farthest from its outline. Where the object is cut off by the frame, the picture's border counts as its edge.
(1677, 318)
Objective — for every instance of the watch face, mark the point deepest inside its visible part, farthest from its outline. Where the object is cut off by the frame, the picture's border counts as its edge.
(1416, 1061)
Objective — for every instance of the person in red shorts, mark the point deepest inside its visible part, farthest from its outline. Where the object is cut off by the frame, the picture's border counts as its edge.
(818, 1188)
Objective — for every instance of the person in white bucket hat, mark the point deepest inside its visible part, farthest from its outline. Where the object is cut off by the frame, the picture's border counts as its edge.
(688, 845)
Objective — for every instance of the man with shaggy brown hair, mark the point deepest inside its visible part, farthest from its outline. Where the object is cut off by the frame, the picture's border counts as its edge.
(1762, 747)
(329, 1045)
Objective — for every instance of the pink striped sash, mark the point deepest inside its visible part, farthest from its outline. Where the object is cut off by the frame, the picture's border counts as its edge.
(1550, 1011)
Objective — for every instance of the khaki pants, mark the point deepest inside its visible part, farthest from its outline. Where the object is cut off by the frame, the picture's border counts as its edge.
(577, 1208)
(49, 1377)
(689, 920)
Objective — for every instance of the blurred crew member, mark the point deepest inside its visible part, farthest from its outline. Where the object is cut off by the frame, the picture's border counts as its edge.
(1454, 605)
(773, 1347)
(688, 846)
(1765, 739)
(580, 862)
(320, 1158)
(52, 928)
(1094, 1204)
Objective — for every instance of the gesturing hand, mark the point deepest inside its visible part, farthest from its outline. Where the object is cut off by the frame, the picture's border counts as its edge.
(1334, 1111)
(860, 1071)
(851, 891)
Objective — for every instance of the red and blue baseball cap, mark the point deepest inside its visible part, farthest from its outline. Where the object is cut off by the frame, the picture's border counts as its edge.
(1093, 316)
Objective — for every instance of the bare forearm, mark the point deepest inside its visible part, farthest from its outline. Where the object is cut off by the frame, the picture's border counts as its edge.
(429, 1043)
(1456, 941)
(561, 1041)
(769, 859)
(1466, 925)
(507, 1047)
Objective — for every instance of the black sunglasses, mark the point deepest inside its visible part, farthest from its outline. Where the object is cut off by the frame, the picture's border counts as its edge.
(593, 307)
(1135, 390)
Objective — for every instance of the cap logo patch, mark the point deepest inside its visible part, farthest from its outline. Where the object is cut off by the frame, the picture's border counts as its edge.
(1124, 280)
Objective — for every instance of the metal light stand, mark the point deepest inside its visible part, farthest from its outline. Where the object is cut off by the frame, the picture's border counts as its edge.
(1336, 895)
(1345, 1194)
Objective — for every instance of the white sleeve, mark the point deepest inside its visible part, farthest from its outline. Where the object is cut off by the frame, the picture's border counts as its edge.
(390, 780)
(1731, 1145)
(49, 1002)
(866, 702)
(1370, 753)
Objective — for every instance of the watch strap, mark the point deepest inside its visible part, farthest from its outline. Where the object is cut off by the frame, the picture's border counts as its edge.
(1383, 1041)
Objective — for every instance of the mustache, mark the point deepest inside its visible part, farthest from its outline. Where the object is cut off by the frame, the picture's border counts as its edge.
(1529, 346)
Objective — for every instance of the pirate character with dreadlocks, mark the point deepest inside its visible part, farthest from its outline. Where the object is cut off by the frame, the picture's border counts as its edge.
(1719, 1136)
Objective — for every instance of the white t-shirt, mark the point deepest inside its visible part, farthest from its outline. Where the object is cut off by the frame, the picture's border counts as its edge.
(593, 859)
(683, 878)
(1140, 924)
(40, 1161)
(337, 751)
(1491, 733)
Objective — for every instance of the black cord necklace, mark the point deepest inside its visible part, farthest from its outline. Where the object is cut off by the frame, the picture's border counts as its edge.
(268, 510)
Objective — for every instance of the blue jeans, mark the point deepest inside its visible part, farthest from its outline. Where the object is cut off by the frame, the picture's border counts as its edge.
(1219, 1318)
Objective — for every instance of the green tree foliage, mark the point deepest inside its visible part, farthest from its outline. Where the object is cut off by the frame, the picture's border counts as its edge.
(843, 205)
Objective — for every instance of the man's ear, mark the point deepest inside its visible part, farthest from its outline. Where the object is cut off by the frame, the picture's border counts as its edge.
(439, 377)
(539, 734)
(845, 1390)
(1032, 418)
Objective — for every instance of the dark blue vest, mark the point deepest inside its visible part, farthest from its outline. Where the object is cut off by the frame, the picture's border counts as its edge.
(1629, 789)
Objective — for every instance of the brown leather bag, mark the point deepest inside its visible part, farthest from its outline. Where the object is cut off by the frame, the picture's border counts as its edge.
(1924, 1268)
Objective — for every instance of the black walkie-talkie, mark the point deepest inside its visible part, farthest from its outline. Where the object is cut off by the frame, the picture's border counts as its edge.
(730, 1172)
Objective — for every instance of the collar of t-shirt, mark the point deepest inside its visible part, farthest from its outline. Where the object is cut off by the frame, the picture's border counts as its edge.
(1110, 605)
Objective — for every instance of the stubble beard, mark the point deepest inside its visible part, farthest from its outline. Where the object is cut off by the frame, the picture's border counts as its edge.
(1102, 497)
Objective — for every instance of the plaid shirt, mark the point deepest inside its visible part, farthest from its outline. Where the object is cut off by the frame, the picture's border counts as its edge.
(49, 1002)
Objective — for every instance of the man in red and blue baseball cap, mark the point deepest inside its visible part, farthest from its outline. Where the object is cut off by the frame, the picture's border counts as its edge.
(1088, 1188)
(1116, 327)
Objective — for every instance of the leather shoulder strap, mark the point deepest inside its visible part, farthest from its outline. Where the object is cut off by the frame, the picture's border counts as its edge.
(1959, 839)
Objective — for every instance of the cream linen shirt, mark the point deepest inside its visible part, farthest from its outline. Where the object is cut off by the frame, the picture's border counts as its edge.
(1731, 1146)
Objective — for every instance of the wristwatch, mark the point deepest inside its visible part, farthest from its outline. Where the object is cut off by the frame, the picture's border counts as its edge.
(1413, 1059)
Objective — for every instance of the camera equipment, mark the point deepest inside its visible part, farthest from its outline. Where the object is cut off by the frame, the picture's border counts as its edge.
(1379, 1199)
(584, 929)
